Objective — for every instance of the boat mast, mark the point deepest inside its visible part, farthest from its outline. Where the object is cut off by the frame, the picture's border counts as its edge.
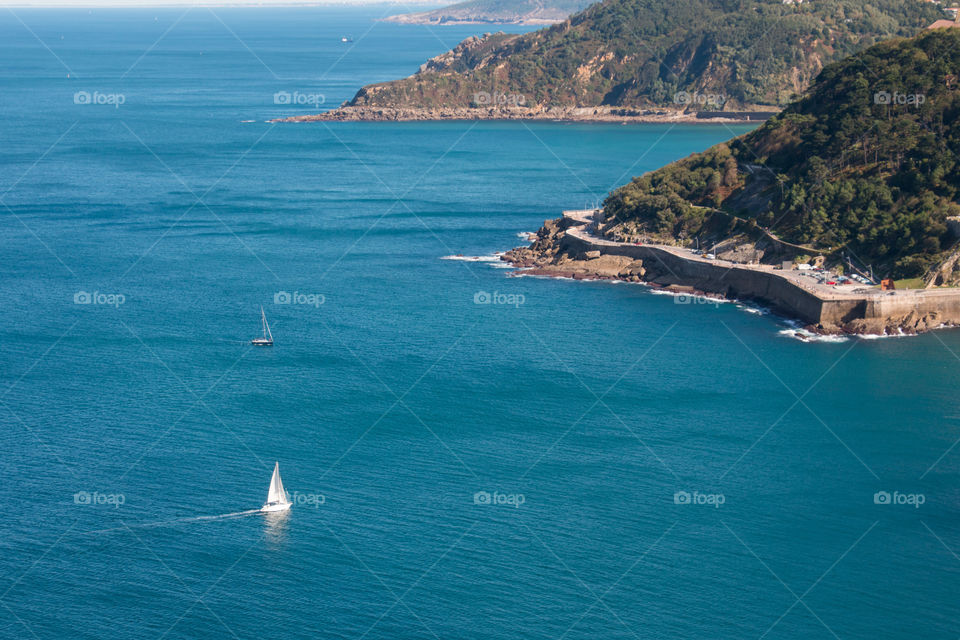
(266, 327)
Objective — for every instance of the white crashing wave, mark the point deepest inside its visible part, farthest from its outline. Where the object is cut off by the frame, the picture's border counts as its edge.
(698, 298)
(797, 331)
(804, 335)
(899, 334)
(491, 258)
(754, 309)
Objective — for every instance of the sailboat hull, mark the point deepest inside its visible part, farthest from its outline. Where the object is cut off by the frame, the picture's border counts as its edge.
(261, 342)
(279, 506)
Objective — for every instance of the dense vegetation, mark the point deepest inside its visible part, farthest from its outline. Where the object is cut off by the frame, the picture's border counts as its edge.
(865, 162)
(638, 53)
(496, 12)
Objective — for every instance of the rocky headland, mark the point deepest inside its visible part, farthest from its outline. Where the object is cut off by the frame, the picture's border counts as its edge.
(565, 247)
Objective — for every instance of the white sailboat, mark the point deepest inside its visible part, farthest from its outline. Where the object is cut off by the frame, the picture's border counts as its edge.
(277, 499)
(267, 339)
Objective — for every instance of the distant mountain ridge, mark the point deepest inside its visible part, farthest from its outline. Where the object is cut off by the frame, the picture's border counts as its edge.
(495, 12)
(682, 54)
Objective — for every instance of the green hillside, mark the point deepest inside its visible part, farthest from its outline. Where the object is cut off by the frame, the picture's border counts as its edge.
(737, 53)
(864, 164)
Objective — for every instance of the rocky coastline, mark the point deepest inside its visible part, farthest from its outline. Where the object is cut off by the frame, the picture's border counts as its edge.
(623, 115)
(555, 253)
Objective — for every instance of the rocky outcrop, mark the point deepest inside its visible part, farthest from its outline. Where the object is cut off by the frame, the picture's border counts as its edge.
(472, 51)
(909, 324)
(553, 253)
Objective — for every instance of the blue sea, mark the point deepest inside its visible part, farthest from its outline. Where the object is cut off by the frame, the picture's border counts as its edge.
(470, 455)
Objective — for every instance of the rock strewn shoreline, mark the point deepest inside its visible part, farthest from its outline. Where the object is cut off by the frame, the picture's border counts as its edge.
(571, 114)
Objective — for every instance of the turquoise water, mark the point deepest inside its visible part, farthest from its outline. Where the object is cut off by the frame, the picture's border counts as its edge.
(583, 410)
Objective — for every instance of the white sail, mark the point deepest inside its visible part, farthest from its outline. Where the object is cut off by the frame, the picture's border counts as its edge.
(276, 495)
(265, 326)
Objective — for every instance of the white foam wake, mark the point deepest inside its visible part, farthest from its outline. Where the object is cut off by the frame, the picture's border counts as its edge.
(167, 523)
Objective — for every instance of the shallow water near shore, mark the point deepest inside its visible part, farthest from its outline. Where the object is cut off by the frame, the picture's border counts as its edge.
(470, 455)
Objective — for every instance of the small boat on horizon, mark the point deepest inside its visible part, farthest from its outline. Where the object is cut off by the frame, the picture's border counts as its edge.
(346, 39)
(266, 340)
(277, 499)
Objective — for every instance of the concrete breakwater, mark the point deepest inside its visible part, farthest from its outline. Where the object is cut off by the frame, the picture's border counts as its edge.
(567, 247)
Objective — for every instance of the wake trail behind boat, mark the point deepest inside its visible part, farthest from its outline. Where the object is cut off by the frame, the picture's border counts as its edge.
(165, 523)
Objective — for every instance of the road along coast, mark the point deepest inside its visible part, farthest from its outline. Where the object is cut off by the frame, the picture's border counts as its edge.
(568, 247)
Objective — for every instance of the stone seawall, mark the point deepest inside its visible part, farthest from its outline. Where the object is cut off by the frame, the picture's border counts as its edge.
(943, 302)
(732, 282)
